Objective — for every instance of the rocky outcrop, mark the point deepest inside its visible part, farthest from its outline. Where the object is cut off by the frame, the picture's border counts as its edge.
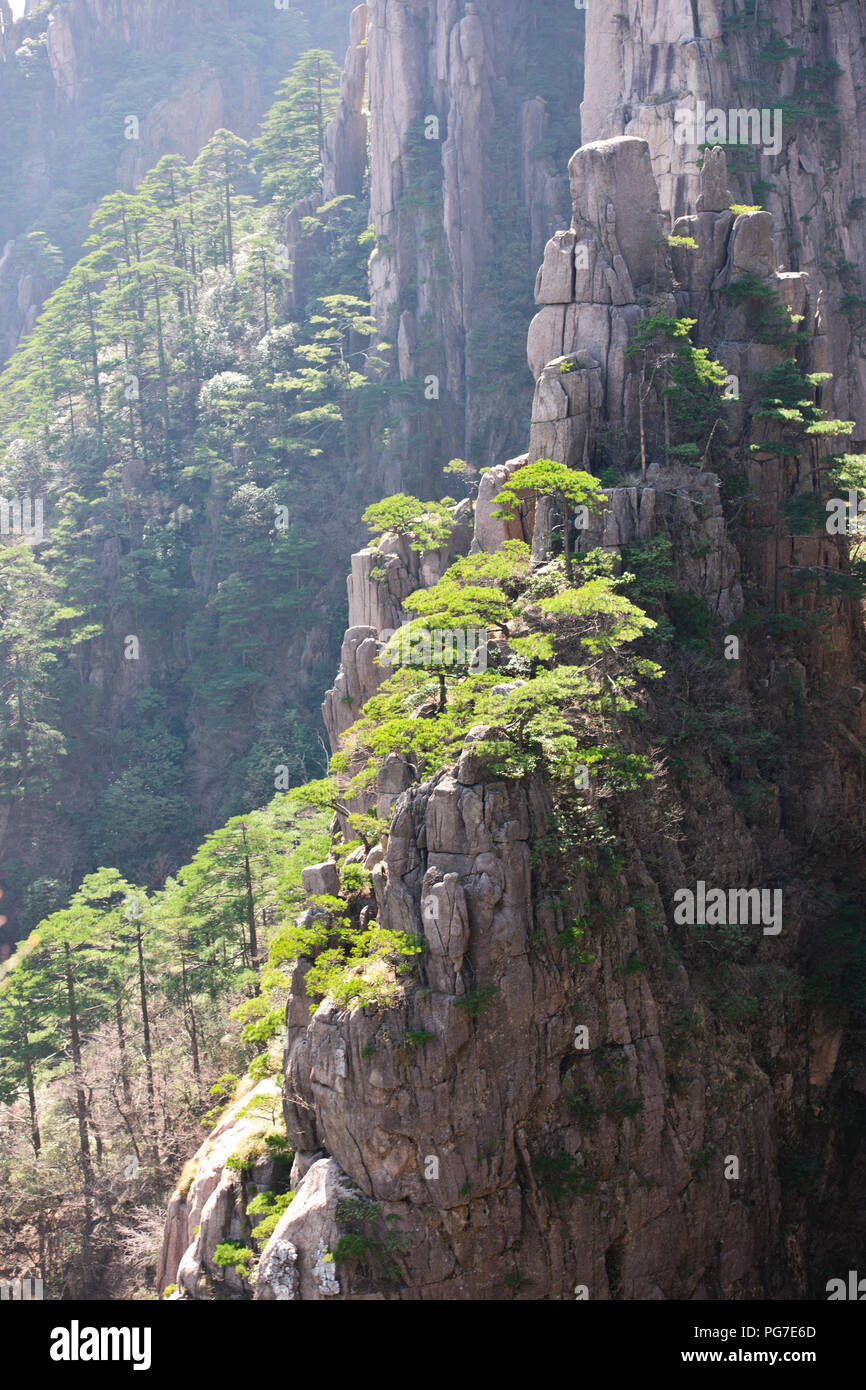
(345, 160)
(298, 1262)
(593, 286)
(803, 62)
(490, 530)
(687, 509)
(358, 678)
(598, 281)
(208, 1207)
(450, 1137)
(181, 123)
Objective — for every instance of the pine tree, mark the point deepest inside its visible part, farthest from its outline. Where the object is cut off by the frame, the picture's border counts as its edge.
(567, 486)
(223, 167)
(289, 153)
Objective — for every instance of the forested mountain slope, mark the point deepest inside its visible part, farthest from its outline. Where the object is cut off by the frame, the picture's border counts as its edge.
(92, 95)
(155, 409)
(205, 435)
(472, 1027)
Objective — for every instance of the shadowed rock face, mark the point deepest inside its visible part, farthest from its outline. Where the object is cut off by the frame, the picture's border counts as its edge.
(462, 216)
(482, 1097)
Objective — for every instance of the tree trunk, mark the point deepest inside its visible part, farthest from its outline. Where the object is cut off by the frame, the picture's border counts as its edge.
(22, 725)
(80, 1101)
(191, 1026)
(94, 360)
(562, 507)
(148, 1051)
(163, 376)
(121, 1045)
(194, 271)
(642, 422)
(320, 120)
(667, 432)
(35, 1137)
(251, 908)
(126, 360)
(229, 241)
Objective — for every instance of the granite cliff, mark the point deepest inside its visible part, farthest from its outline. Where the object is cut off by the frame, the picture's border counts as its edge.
(646, 1122)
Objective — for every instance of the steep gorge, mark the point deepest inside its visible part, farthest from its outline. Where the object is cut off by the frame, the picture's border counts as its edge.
(527, 1116)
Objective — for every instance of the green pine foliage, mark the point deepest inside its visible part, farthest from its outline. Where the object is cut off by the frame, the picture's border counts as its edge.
(289, 152)
(686, 381)
(85, 148)
(573, 641)
(127, 1012)
(426, 525)
(186, 438)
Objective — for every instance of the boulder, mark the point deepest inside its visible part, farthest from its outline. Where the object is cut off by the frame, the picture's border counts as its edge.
(295, 1263)
(321, 880)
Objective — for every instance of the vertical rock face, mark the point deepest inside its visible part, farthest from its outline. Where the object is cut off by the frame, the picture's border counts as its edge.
(604, 270)
(804, 61)
(148, 24)
(450, 1138)
(596, 282)
(73, 29)
(462, 195)
(687, 509)
(346, 137)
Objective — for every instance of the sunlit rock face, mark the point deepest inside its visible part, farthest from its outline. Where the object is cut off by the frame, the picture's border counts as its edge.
(663, 57)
